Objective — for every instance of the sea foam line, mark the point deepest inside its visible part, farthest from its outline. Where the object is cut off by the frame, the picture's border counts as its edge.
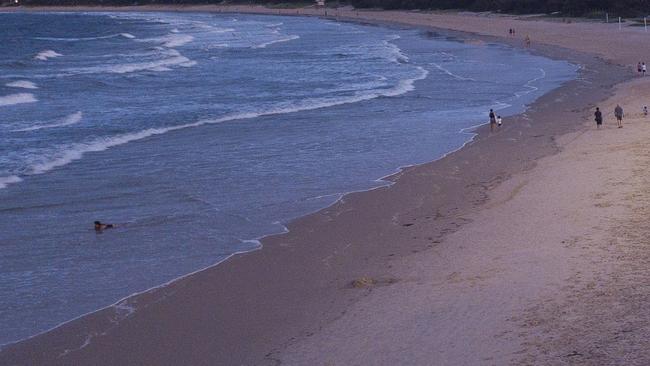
(24, 84)
(125, 35)
(66, 121)
(174, 58)
(265, 44)
(5, 181)
(76, 151)
(20, 98)
(395, 53)
(123, 308)
(171, 40)
(46, 54)
(455, 76)
(531, 88)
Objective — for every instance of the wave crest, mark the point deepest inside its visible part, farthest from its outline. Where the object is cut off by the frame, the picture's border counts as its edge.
(24, 84)
(19, 98)
(47, 54)
(66, 121)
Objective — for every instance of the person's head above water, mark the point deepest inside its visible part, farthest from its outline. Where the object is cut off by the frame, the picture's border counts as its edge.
(99, 226)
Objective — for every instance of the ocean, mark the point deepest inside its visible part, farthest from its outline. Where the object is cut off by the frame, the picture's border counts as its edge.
(197, 134)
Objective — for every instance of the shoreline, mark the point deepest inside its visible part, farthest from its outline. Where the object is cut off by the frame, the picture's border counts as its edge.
(278, 240)
(384, 181)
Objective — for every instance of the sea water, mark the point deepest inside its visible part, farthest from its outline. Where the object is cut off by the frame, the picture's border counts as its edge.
(198, 133)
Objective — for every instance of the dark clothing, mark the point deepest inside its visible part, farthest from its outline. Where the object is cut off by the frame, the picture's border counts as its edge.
(618, 112)
(599, 117)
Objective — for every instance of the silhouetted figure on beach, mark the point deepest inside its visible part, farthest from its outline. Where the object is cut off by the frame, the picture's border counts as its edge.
(618, 112)
(644, 68)
(598, 117)
(493, 120)
(100, 227)
(638, 68)
(645, 110)
(499, 121)
(527, 40)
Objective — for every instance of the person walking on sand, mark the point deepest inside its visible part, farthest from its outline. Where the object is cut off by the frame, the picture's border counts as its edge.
(644, 68)
(638, 68)
(527, 41)
(618, 112)
(645, 110)
(599, 118)
(499, 121)
(493, 120)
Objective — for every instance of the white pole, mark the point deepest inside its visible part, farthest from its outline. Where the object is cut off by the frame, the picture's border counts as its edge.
(619, 23)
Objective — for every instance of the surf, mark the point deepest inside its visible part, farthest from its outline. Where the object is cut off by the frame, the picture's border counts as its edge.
(71, 119)
(19, 98)
(47, 54)
(24, 84)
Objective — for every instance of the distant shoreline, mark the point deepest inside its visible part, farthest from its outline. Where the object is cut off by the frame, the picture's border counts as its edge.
(288, 294)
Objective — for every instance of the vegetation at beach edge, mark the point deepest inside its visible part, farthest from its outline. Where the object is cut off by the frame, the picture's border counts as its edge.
(589, 8)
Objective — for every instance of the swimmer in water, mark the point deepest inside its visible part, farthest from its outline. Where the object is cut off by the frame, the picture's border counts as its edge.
(99, 226)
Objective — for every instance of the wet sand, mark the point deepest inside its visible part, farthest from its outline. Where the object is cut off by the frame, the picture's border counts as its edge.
(524, 247)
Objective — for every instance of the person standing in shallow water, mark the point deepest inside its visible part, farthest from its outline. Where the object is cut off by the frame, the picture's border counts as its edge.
(598, 117)
(493, 120)
(618, 112)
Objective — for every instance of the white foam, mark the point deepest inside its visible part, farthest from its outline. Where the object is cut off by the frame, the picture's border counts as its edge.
(5, 181)
(274, 25)
(76, 151)
(265, 44)
(395, 53)
(25, 84)
(455, 76)
(19, 98)
(174, 58)
(125, 35)
(46, 54)
(66, 121)
(531, 88)
(222, 30)
(171, 40)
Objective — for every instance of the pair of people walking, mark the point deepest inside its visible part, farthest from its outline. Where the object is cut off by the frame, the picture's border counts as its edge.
(495, 121)
(641, 68)
(618, 113)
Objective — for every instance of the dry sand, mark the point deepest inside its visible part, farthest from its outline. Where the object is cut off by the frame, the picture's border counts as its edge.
(525, 247)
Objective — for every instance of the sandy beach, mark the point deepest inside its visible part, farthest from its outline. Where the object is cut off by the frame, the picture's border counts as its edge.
(526, 247)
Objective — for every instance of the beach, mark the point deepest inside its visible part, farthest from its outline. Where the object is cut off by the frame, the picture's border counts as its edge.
(523, 247)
